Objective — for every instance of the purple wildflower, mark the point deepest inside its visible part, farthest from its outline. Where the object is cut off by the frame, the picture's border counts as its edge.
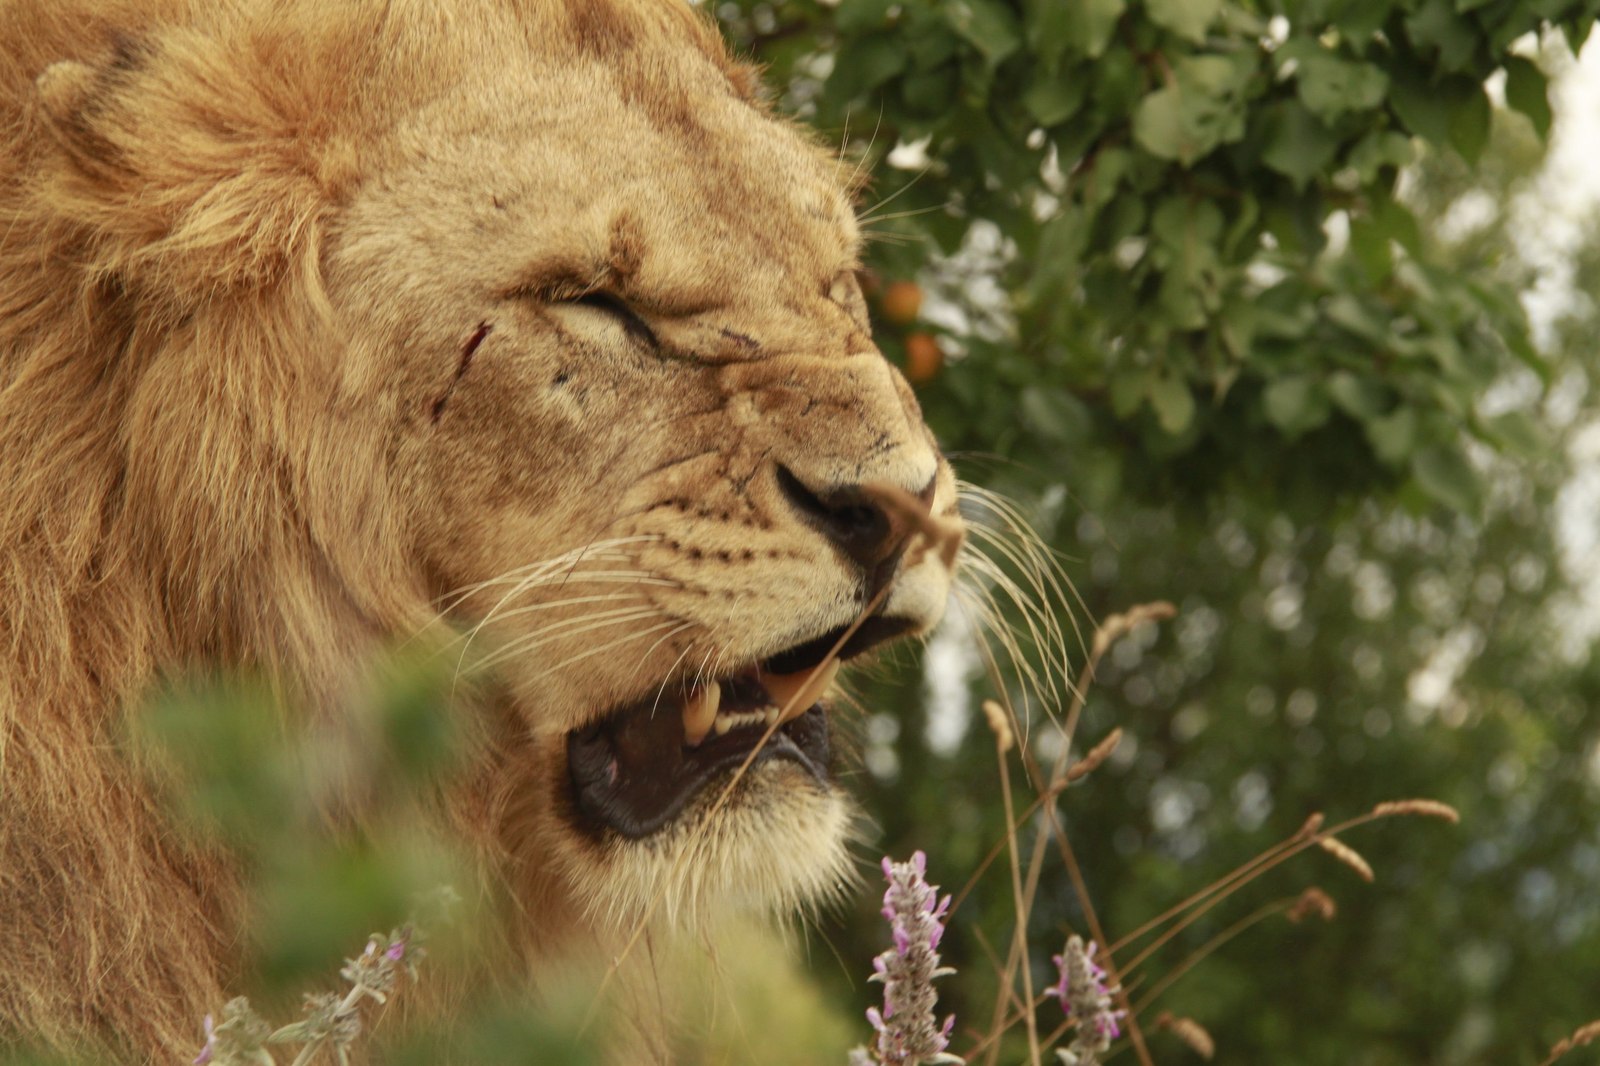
(907, 1034)
(208, 1052)
(1086, 999)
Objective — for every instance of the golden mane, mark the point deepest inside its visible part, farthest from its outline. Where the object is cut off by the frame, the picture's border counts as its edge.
(167, 168)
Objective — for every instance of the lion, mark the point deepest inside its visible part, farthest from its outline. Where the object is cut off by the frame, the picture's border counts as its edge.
(325, 324)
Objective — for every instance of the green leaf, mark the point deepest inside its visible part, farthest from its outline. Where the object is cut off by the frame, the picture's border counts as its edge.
(1049, 28)
(1371, 246)
(1054, 97)
(1428, 109)
(1518, 434)
(1062, 241)
(1054, 414)
(1399, 224)
(1186, 232)
(1173, 403)
(1186, 18)
(1158, 125)
(989, 25)
(1084, 26)
(1437, 28)
(1330, 86)
(1363, 399)
(1296, 404)
(1444, 474)
(1298, 145)
(863, 64)
(1129, 385)
(1366, 318)
(1469, 125)
(860, 16)
(932, 44)
(1393, 436)
(928, 93)
(1380, 149)
(1359, 20)
(1527, 91)
(1201, 108)
(1095, 21)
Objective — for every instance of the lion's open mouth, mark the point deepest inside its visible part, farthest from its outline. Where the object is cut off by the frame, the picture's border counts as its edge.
(636, 769)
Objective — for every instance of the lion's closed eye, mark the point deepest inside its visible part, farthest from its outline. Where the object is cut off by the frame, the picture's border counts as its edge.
(617, 309)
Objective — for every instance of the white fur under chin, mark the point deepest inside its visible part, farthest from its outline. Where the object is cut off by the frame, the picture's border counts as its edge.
(778, 846)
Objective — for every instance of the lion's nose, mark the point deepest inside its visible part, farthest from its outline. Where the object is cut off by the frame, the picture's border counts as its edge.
(860, 527)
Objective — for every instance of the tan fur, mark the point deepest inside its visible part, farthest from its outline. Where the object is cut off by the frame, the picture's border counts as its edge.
(245, 248)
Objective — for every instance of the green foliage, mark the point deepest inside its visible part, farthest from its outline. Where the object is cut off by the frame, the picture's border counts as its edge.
(329, 821)
(1165, 176)
(1191, 315)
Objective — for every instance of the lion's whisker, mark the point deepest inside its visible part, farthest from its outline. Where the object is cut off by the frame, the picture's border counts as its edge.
(666, 678)
(601, 549)
(867, 217)
(550, 605)
(645, 632)
(1046, 559)
(1038, 576)
(979, 566)
(987, 610)
(562, 579)
(570, 627)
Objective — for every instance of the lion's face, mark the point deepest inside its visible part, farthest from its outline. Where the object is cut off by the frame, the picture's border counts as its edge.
(637, 417)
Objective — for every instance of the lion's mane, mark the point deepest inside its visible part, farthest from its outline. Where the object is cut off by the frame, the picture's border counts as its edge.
(167, 171)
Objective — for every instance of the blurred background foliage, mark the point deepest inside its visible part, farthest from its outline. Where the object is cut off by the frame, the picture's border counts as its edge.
(1229, 296)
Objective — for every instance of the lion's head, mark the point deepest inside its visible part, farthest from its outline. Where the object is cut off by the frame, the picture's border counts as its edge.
(328, 319)
(636, 416)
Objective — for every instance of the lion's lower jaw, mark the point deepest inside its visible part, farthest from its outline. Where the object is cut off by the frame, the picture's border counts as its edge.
(778, 846)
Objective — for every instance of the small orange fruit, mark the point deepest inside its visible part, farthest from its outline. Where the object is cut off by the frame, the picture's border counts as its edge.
(924, 359)
(902, 300)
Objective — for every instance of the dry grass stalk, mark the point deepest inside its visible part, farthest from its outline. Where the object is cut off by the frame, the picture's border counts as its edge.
(1582, 1037)
(942, 536)
(1309, 829)
(1118, 626)
(1048, 787)
(1347, 855)
(1000, 724)
(1189, 1031)
(1426, 807)
(1097, 755)
(1312, 902)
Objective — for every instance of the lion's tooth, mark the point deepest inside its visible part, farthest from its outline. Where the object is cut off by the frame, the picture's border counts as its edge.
(795, 693)
(700, 712)
(724, 723)
(769, 717)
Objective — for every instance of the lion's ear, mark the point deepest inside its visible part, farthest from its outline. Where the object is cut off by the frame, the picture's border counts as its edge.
(190, 167)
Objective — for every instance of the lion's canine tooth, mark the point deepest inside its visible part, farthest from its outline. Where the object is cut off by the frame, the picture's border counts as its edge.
(795, 693)
(700, 712)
